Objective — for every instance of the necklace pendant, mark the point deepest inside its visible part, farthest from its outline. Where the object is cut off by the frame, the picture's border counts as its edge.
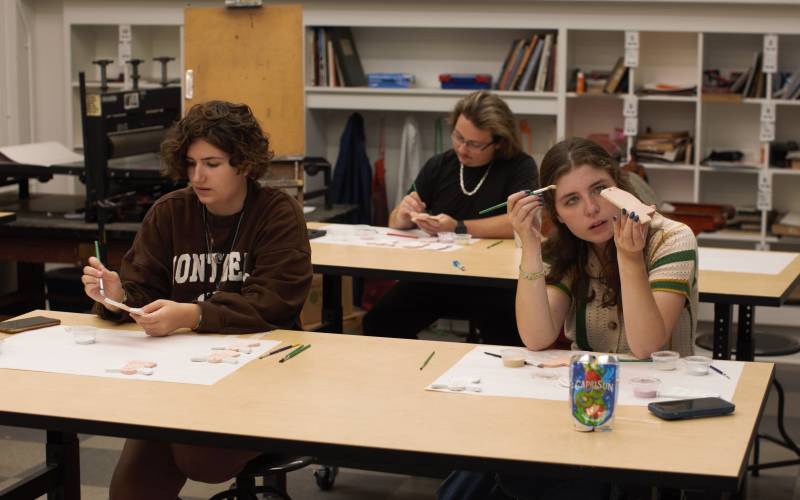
(219, 258)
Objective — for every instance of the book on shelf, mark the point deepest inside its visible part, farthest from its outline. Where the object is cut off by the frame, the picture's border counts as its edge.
(615, 77)
(738, 84)
(322, 56)
(344, 46)
(312, 69)
(663, 147)
(550, 83)
(791, 88)
(753, 76)
(787, 225)
(331, 65)
(528, 78)
(545, 63)
(596, 81)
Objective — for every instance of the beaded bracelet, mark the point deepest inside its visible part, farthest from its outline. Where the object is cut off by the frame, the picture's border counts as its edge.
(525, 275)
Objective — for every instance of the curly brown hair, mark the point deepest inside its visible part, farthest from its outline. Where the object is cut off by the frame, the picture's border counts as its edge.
(566, 253)
(230, 127)
(489, 112)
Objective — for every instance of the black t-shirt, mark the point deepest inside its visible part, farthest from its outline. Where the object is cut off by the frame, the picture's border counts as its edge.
(439, 187)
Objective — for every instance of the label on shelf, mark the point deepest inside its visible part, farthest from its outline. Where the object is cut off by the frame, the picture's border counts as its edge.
(768, 112)
(630, 107)
(631, 39)
(124, 52)
(631, 126)
(766, 132)
(632, 58)
(125, 33)
(770, 61)
(125, 45)
(764, 201)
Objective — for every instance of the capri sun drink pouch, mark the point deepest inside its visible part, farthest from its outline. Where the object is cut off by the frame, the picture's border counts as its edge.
(593, 391)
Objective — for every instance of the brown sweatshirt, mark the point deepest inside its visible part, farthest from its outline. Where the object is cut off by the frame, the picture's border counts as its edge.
(257, 283)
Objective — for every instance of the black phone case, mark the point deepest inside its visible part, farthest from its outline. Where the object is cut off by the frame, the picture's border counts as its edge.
(25, 324)
(724, 408)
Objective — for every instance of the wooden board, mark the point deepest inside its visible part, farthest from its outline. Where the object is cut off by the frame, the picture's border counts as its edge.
(254, 56)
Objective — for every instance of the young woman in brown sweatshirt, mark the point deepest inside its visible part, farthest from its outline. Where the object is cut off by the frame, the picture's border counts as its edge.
(223, 255)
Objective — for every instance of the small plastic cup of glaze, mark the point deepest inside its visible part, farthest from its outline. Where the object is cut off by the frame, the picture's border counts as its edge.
(83, 335)
(645, 387)
(665, 360)
(462, 239)
(446, 237)
(697, 365)
(513, 358)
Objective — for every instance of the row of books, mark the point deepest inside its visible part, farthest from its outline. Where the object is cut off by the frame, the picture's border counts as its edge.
(785, 85)
(333, 59)
(748, 83)
(529, 64)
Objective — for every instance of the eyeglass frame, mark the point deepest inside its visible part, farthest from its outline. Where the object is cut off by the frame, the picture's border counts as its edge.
(470, 145)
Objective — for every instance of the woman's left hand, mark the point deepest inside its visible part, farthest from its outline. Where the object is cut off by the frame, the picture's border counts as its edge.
(162, 317)
(630, 235)
(437, 224)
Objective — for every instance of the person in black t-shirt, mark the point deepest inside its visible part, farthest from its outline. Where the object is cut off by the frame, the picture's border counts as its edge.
(484, 167)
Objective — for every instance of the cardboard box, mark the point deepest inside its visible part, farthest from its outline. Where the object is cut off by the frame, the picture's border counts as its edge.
(312, 310)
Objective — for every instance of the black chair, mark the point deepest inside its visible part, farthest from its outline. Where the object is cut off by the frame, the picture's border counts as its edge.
(272, 468)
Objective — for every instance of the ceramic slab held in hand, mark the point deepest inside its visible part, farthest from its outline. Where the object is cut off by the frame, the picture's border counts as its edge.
(623, 199)
(120, 305)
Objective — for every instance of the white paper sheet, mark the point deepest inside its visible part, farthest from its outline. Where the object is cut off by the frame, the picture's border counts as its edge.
(530, 382)
(54, 350)
(743, 261)
(374, 236)
(41, 153)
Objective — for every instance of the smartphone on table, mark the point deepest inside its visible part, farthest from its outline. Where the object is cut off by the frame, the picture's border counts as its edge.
(25, 324)
(691, 408)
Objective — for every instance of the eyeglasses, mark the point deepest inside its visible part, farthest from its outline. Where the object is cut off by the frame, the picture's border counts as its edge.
(475, 147)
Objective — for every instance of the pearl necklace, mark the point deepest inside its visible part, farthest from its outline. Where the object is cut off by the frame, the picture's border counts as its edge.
(480, 183)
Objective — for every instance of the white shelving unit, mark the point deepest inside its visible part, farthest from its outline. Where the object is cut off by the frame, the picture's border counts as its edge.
(673, 55)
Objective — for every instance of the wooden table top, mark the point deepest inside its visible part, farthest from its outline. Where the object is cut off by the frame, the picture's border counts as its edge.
(362, 399)
(501, 262)
(756, 289)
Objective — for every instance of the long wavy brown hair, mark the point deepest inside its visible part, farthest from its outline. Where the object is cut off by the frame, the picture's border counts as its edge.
(230, 127)
(567, 254)
(489, 112)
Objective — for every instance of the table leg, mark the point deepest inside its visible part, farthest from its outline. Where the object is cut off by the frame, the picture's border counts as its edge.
(722, 330)
(63, 452)
(332, 316)
(745, 351)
